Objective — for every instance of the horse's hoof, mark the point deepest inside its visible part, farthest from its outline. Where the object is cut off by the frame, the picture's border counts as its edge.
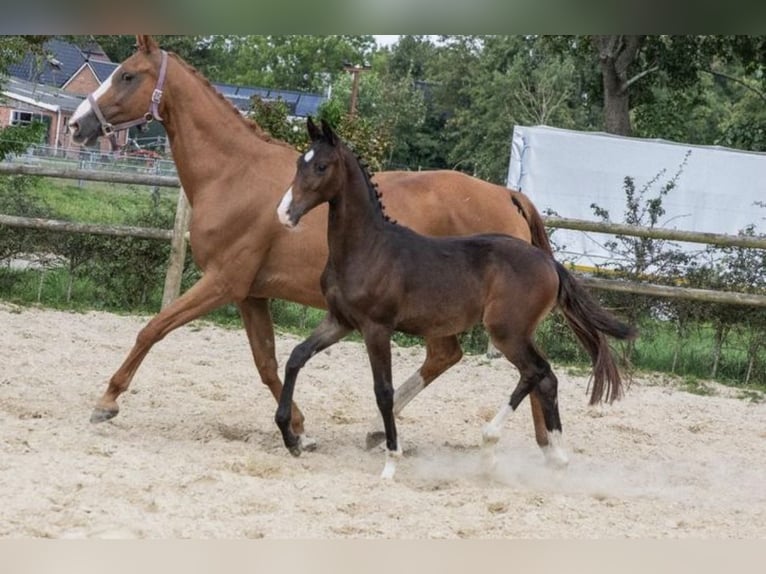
(295, 450)
(556, 458)
(100, 415)
(374, 438)
(307, 443)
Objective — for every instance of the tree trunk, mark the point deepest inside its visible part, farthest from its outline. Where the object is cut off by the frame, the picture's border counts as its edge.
(615, 56)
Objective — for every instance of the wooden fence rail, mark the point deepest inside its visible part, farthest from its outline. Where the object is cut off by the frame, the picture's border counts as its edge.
(657, 233)
(180, 234)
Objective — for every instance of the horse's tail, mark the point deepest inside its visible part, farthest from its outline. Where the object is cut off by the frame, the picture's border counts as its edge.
(539, 237)
(590, 323)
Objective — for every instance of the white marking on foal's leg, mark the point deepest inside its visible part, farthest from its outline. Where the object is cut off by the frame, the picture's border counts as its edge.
(407, 391)
(306, 443)
(490, 434)
(284, 206)
(85, 106)
(392, 457)
(309, 156)
(555, 454)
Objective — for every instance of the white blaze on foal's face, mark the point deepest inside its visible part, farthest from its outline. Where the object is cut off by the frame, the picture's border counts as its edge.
(309, 156)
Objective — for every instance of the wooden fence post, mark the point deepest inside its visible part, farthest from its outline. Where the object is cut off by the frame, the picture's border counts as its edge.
(177, 251)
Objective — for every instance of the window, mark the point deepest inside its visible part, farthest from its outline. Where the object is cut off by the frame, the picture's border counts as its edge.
(19, 118)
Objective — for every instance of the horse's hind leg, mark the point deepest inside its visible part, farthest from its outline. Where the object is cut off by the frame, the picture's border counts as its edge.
(259, 327)
(327, 333)
(550, 439)
(536, 379)
(204, 296)
(441, 354)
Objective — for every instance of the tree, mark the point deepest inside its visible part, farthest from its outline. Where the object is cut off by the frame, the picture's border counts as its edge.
(486, 85)
(631, 67)
(288, 62)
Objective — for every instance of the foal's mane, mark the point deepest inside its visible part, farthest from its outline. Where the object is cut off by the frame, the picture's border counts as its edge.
(372, 187)
(254, 127)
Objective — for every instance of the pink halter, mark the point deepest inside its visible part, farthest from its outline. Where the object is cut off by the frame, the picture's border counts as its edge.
(110, 130)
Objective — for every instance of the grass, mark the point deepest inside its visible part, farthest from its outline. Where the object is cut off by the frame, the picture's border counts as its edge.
(97, 202)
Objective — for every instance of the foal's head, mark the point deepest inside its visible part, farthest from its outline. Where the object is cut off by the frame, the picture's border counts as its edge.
(319, 176)
(128, 97)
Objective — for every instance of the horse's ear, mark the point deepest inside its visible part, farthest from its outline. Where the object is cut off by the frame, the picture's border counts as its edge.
(314, 132)
(329, 134)
(146, 44)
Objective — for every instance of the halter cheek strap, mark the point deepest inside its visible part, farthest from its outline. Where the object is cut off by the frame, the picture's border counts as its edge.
(110, 130)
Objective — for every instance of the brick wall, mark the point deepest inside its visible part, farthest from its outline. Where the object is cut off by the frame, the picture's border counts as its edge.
(82, 83)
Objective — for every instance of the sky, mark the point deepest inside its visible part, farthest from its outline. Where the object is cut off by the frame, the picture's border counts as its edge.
(387, 40)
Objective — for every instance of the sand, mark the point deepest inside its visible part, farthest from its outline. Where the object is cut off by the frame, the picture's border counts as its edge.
(195, 452)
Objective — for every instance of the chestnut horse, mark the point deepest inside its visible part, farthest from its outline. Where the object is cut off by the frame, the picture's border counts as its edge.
(382, 277)
(233, 175)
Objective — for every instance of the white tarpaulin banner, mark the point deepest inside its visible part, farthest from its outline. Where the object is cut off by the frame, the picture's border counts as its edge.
(566, 171)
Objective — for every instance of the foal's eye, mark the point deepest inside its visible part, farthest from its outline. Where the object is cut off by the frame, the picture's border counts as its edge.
(127, 76)
(321, 167)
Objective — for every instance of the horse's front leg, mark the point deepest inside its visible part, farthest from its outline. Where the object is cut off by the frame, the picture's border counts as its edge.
(204, 296)
(441, 354)
(259, 327)
(327, 333)
(377, 339)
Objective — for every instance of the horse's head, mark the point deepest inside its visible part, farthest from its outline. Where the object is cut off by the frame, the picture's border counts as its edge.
(129, 97)
(317, 178)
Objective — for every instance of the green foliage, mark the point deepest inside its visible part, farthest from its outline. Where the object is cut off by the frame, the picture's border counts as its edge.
(273, 117)
(16, 199)
(287, 62)
(16, 139)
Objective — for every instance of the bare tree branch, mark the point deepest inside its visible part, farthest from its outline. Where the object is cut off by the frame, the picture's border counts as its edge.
(737, 80)
(638, 76)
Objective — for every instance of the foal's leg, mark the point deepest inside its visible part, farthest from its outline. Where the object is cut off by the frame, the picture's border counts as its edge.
(537, 379)
(327, 333)
(204, 296)
(259, 326)
(441, 354)
(377, 339)
(547, 392)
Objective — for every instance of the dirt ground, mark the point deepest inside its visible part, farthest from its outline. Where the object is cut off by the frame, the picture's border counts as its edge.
(195, 452)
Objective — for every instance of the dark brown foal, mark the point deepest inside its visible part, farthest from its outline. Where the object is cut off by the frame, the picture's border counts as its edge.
(381, 277)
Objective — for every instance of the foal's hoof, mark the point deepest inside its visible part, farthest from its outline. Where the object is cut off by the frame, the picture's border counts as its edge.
(295, 450)
(100, 415)
(374, 438)
(307, 443)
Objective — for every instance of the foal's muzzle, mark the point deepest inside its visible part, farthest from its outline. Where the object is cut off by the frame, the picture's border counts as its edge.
(284, 210)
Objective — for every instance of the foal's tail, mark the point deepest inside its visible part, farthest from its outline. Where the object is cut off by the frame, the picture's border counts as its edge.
(591, 323)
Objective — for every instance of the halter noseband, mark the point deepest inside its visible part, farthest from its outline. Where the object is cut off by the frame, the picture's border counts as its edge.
(110, 130)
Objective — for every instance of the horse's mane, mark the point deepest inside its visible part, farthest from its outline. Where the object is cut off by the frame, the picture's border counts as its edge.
(254, 127)
(372, 187)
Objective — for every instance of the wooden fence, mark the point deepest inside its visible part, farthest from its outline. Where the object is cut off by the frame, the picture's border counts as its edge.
(179, 234)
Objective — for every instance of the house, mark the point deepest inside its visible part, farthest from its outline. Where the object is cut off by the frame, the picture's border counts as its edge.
(49, 89)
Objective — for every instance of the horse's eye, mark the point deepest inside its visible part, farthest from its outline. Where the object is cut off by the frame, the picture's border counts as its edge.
(127, 76)
(321, 167)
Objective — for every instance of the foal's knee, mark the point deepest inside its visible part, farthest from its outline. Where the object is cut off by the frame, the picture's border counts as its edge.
(384, 395)
(549, 385)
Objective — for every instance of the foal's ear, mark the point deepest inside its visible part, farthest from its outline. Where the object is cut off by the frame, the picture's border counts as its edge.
(329, 135)
(146, 44)
(314, 132)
